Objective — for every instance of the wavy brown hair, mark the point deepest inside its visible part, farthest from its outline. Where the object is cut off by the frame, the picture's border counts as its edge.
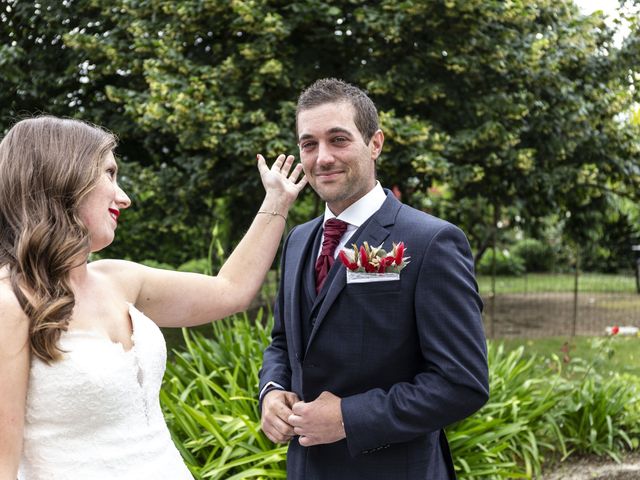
(47, 166)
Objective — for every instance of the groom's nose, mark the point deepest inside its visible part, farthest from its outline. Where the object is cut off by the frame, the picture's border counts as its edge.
(325, 156)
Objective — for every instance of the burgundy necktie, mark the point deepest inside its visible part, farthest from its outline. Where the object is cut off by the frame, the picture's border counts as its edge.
(333, 231)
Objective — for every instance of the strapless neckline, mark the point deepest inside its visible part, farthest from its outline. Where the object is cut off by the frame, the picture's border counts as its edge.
(134, 315)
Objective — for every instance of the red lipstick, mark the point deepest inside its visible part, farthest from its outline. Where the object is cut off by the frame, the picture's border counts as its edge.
(115, 212)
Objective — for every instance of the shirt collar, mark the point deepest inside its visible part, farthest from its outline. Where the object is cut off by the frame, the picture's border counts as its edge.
(360, 211)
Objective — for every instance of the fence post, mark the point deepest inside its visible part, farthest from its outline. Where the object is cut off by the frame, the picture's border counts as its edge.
(636, 248)
(493, 292)
(496, 217)
(575, 293)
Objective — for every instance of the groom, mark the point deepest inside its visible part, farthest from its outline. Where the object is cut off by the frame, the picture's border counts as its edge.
(362, 378)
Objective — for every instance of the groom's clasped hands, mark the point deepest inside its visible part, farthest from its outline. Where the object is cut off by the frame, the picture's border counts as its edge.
(315, 423)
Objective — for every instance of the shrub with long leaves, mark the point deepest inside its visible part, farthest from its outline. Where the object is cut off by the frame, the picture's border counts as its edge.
(209, 397)
(599, 417)
(502, 440)
(538, 410)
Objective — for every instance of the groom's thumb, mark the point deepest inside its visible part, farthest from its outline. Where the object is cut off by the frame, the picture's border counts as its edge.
(298, 408)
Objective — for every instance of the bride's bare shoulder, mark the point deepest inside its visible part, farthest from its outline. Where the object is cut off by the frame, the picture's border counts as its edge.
(120, 275)
(112, 267)
(10, 311)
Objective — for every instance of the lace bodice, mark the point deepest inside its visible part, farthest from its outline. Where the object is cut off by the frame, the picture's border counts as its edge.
(96, 414)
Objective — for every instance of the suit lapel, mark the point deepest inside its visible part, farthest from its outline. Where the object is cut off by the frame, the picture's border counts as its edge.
(301, 254)
(374, 231)
(310, 263)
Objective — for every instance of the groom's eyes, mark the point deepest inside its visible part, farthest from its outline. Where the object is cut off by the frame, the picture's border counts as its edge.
(308, 145)
(339, 140)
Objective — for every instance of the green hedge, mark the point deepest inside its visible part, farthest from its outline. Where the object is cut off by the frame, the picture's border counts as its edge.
(540, 410)
(536, 255)
(506, 263)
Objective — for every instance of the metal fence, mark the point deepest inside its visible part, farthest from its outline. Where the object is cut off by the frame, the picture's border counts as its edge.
(559, 305)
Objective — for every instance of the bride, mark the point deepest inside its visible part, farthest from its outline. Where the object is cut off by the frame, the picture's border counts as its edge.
(81, 354)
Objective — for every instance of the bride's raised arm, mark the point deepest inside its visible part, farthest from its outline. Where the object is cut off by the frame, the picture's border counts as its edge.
(177, 299)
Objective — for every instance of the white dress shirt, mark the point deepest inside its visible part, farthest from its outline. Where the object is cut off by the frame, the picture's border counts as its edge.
(355, 215)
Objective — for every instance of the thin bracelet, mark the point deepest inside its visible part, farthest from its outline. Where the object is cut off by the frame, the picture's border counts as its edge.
(274, 213)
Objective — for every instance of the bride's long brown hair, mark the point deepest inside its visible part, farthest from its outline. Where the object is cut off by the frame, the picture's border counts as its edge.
(47, 166)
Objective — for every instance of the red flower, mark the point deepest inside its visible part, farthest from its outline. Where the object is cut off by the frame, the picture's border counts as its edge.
(347, 263)
(384, 263)
(399, 253)
(364, 261)
(363, 255)
(615, 330)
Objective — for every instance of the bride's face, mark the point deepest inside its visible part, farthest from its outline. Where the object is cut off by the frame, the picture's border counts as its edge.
(100, 208)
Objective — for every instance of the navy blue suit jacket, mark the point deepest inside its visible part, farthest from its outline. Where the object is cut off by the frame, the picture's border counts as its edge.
(407, 357)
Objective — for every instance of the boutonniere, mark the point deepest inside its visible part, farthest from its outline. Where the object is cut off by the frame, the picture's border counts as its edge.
(368, 259)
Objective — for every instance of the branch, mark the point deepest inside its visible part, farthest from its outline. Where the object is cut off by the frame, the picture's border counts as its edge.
(630, 196)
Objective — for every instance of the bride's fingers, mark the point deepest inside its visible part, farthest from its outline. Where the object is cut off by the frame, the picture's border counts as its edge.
(262, 164)
(296, 173)
(277, 165)
(286, 167)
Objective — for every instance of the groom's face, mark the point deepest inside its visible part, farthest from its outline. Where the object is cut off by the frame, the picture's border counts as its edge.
(339, 165)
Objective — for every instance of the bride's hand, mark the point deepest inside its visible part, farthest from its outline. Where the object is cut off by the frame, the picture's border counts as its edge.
(281, 184)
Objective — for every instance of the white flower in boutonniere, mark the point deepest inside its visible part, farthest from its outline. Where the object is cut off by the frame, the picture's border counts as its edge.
(370, 260)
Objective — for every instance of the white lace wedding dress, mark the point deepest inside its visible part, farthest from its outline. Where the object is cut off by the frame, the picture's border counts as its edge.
(96, 413)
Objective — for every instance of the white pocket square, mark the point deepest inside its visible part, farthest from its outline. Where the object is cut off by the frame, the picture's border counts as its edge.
(362, 277)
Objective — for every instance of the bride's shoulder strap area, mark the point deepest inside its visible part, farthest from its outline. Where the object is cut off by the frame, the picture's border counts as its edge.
(12, 317)
(122, 276)
(14, 371)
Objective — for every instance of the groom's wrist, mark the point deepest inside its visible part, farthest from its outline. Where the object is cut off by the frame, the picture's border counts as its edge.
(267, 388)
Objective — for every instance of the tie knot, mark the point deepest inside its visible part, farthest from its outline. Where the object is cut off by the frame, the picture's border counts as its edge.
(333, 231)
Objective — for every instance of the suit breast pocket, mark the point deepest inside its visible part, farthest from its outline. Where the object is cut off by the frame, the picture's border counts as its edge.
(374, 288)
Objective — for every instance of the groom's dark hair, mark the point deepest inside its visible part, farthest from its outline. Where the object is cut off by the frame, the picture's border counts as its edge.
(331, 90)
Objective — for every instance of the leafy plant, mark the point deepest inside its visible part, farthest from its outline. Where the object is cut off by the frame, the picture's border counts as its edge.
(540, 410)
(502, 440)
(209, 397)
(596, 417)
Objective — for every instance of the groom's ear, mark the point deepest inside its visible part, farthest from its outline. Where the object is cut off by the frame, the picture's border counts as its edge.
(375, 144)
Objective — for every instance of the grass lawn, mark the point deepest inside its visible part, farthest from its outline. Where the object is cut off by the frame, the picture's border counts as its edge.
(559, 282)
(624, 359)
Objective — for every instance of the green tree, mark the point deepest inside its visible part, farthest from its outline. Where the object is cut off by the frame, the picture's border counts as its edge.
(43, 72)
(529, 98)
(513, 109)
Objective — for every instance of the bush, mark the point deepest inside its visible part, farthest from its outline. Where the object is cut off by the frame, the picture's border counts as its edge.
(536, 411)
(506, 263)
(209, 397)
(500, 440)
(596, 418)
(536, 255)
(197, 265)
(156, 264)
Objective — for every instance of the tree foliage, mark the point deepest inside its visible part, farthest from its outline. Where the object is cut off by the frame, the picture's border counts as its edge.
(490, 109)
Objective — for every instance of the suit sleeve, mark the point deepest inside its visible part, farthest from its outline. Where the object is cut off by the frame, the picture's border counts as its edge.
(275, 360)
(453, 382)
